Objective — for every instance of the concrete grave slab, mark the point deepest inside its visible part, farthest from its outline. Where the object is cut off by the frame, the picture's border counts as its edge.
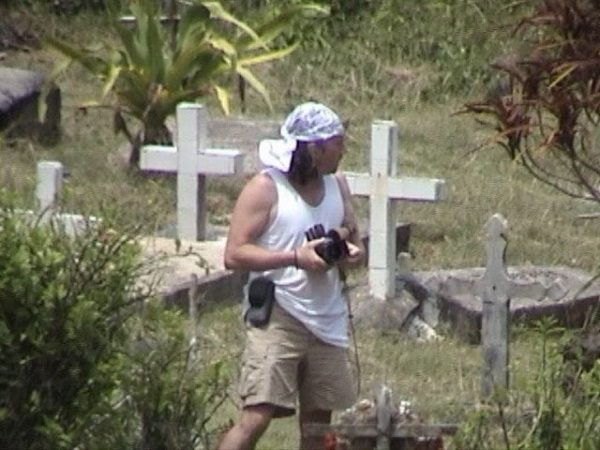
(179, 267)
(555, 291)
(19, 94)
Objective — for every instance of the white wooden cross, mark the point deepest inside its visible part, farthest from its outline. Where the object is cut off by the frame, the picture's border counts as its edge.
(48, 187)
(382, 186)
(192, 161)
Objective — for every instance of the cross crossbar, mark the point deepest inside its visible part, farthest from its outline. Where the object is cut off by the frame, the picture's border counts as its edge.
(192, 161)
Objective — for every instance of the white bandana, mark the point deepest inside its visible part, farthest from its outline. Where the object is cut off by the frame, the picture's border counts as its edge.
(308, 122)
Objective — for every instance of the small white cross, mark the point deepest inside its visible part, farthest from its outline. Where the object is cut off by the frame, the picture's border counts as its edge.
(49, 185)
(382, 186)
(192, 161)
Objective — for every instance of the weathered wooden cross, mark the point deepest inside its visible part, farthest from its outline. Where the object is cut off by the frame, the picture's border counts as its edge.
(192, 161)
(380, 425)
(382, 186)
(495, 289)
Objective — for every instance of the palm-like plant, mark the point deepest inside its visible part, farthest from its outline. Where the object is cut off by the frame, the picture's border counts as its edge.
(150, 74)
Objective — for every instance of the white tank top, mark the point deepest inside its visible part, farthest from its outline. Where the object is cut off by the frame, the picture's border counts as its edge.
(314, 298)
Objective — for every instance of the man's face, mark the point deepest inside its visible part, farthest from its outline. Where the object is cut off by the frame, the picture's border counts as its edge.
(333, 151)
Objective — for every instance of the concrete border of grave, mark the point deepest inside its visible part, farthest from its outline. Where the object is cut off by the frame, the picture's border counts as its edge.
(462, 311)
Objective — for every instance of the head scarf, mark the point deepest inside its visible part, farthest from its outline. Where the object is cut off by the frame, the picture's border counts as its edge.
(308, 122)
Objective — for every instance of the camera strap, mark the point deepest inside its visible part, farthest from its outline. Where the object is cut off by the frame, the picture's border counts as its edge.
(345, 289)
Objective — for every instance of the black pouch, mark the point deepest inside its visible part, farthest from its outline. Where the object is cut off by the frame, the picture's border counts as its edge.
(261, 295)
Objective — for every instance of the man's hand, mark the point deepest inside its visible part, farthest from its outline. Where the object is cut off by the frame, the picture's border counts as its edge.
(308, 259)
(355, 254)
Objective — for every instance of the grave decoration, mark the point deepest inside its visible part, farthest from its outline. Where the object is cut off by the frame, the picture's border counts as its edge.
(379, 423)
(480, 303)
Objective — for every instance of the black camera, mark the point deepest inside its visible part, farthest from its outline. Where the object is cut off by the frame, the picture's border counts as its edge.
(333, 248)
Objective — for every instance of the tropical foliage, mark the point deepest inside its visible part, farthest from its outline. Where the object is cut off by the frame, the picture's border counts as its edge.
(64, 305)
(150, 72)
(547, 112)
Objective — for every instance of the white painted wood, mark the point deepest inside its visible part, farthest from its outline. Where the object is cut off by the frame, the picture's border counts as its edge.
(192, 161)
(382, 187)
(159, 157)
(220, 161)
(48, 187)
(49, 184)
(210, 162)
(405, 188)
(191, 202)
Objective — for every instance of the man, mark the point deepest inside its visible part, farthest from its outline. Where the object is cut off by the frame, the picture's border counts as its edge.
(277, 232)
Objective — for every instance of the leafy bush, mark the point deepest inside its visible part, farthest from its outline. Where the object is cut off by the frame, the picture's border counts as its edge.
(544, 416)
(87, 359)
(546, 113)
(172, 392)
(149, 72)
(63, 307)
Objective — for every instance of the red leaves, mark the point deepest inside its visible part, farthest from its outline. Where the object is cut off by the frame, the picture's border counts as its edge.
(551, 96)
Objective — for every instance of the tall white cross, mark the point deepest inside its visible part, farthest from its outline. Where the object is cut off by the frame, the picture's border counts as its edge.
(192, 161)
(382, 186)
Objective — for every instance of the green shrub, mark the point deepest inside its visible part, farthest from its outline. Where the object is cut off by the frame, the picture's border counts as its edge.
(150, 73)
(545, 415)
(171, 391)
(63, 307)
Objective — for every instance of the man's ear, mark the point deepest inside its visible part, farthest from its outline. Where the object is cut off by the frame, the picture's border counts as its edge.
(315, 150)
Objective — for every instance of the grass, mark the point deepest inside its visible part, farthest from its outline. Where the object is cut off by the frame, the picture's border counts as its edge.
(440, 379)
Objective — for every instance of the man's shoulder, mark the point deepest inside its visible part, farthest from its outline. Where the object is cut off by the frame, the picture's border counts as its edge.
(262, 185)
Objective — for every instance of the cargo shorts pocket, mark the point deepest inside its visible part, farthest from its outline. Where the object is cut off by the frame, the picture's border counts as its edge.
(252, 374)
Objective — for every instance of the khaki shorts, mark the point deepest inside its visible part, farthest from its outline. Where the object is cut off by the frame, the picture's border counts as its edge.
(284, 363)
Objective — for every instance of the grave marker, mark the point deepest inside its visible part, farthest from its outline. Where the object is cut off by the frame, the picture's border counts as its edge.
(495, 291)
(383, 187)
(380, 425)
(192, 161)
(49, 184)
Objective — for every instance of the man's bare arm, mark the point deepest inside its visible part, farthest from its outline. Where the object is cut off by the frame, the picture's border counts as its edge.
(251, 217)
(249, 220)
(350, 230)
